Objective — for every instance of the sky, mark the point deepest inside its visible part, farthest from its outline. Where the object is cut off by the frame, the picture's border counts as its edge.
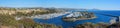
(87, 4)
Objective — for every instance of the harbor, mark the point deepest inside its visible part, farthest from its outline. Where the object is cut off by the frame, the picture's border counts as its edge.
(49, 16)
(58, 21)
(79, 16)
(59, 13)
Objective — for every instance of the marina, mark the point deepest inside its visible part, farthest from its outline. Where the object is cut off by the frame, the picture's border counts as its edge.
(58, 20)
(59, 13)
(79, 16)
(49, 16)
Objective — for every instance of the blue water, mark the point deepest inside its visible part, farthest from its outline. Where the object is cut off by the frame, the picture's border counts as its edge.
(58, 20)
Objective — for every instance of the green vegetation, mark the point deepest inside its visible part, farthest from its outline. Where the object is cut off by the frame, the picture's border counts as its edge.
(29, 23)
(7, 18)
(92, 25)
